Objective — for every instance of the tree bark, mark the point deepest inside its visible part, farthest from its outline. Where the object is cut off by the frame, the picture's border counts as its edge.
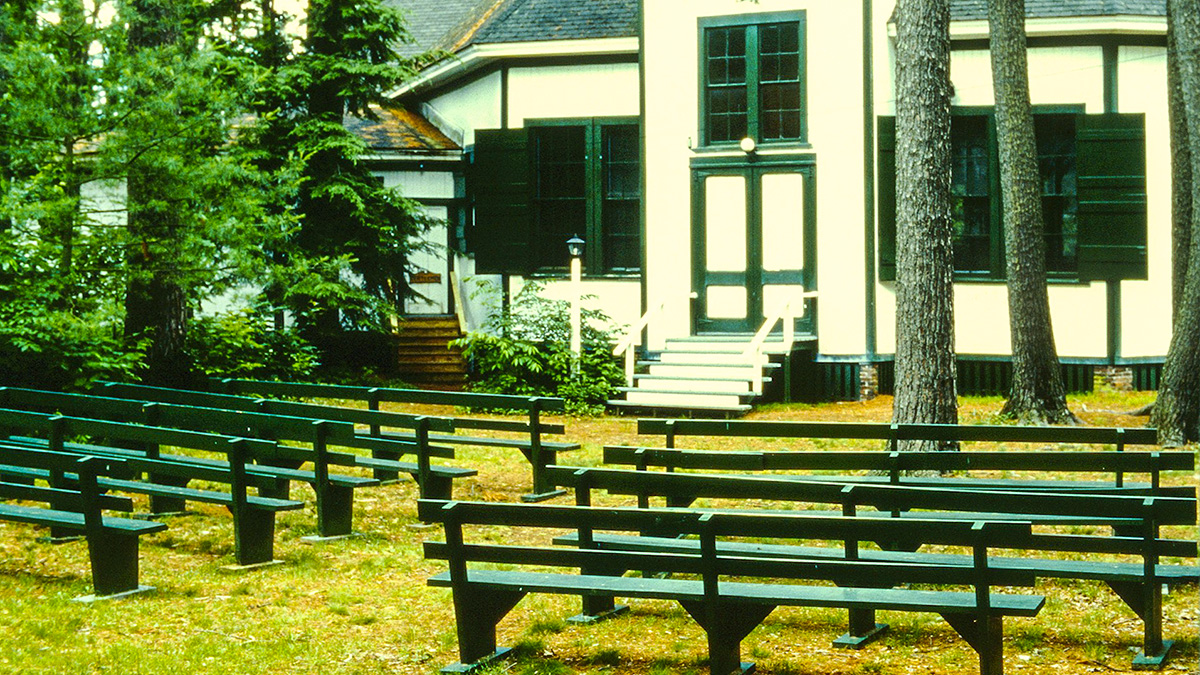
(1177, 410)
(925, 359)
(155, 304)
(1181, 174)
(1038, 395)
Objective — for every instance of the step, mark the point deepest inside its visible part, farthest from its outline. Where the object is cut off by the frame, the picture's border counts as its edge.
(666, 389)
(736, 409)
(683, 399)
(706, 357)
(724, 386)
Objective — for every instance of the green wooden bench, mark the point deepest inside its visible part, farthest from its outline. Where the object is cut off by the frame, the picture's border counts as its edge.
(435, 481)
(389, 448)
(166, 476)
(1136, 522)
(913, 468)
(112, 542)
(334, 492)
(727, 610)
(532, 443)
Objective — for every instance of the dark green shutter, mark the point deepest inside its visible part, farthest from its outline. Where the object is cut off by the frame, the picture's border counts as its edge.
(1111, 166)
(501, 184)
(886, 190)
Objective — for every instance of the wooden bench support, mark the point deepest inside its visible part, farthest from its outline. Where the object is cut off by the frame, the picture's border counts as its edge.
(726, 624)
(862, 630)
(984, 635)
(1145, 599)
(476, 613)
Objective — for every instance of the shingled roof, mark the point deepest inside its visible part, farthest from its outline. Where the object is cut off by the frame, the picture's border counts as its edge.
(400, 130)
(966, 10)
(453, 25)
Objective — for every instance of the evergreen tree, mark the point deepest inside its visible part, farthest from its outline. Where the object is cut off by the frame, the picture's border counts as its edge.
(1177, 410)
(925, 359)
(1038, 395)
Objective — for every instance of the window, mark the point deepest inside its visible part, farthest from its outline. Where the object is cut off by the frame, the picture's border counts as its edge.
(753, 79)
(1092, 170)
(535, 188)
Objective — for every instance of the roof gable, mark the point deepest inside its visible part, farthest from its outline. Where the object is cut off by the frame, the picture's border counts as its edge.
(968, 10)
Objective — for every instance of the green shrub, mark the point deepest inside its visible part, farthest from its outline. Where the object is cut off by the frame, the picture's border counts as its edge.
(243, 344)
(58, 349)
(524, 349)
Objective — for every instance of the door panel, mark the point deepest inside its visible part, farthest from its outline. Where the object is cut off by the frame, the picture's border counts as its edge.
(754, 228)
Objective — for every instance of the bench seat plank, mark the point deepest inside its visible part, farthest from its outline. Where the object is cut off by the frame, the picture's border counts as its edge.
(801, 595)
(41, 516)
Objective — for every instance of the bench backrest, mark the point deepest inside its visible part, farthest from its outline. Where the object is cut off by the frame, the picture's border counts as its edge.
(374, 418)
(231, 422)
(80, 496)
(586, 520)
(672, 428)
(1140, 513)
(56, 427)
(373, 396)
(895, 463)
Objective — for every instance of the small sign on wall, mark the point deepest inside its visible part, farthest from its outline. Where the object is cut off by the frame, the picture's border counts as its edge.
(425, 278)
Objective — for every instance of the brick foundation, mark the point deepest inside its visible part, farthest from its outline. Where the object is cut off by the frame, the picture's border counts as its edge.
(1114, 377)
(868, 381)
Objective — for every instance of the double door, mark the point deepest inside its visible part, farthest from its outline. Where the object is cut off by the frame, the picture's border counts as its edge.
(754, 245)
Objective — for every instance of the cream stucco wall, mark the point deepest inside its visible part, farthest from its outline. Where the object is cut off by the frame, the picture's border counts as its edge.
(1067, 75)
(835, 122)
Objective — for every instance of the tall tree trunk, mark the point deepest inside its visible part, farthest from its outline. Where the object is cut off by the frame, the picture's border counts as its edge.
(1038, 395)
(925, 360)
(155, 304)
(1177, 410)
(1181, 174)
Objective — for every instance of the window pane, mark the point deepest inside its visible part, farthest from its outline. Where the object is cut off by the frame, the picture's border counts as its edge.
(779, 77)
(560, 207)
(621, 204)
(726, 84)
(1056, 161)
(970, 186)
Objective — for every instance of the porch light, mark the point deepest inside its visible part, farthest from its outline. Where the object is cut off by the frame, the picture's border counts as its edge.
(575, 246)
(748, 145)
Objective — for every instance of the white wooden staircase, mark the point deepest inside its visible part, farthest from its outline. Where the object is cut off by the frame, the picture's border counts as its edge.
(720, 374)
(703, 373)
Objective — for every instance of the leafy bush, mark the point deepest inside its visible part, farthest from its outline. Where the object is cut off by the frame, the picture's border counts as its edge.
(57, 349)
(243, 344)
(525, 350)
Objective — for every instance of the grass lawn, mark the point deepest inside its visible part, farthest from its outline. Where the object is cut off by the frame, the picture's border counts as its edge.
(360, 605)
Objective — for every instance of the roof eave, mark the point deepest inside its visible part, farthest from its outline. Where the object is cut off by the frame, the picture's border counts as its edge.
(975, 29)
(476, 57)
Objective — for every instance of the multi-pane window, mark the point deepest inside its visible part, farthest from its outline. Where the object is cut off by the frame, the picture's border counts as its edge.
(753, 82)
(976, 209)
(586, 182)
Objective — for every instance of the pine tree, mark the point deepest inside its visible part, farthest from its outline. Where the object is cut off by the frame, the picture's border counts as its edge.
(1038, 395)
(1177, 410)
(925, 359)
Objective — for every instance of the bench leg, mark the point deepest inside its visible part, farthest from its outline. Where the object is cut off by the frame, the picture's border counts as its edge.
(476, 613)
(253, 536)
(160, 506)
(726, 626)
(542, 489)
(385, 475)
(1145, 599)
(114, 559)
(985, 637)
(596, 608)
(335, 511)
(437, 487)
(862, 630)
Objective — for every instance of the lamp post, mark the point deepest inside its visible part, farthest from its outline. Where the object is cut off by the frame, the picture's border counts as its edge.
(575, 249)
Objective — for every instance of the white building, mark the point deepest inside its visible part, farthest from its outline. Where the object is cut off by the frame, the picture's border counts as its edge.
(721, 157)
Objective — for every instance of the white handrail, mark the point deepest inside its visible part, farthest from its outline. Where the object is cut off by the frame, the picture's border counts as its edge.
(784, 313)
(633, 338)
(460, 310)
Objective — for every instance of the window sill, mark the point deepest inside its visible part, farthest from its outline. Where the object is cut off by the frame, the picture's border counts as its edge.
(564, 275)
